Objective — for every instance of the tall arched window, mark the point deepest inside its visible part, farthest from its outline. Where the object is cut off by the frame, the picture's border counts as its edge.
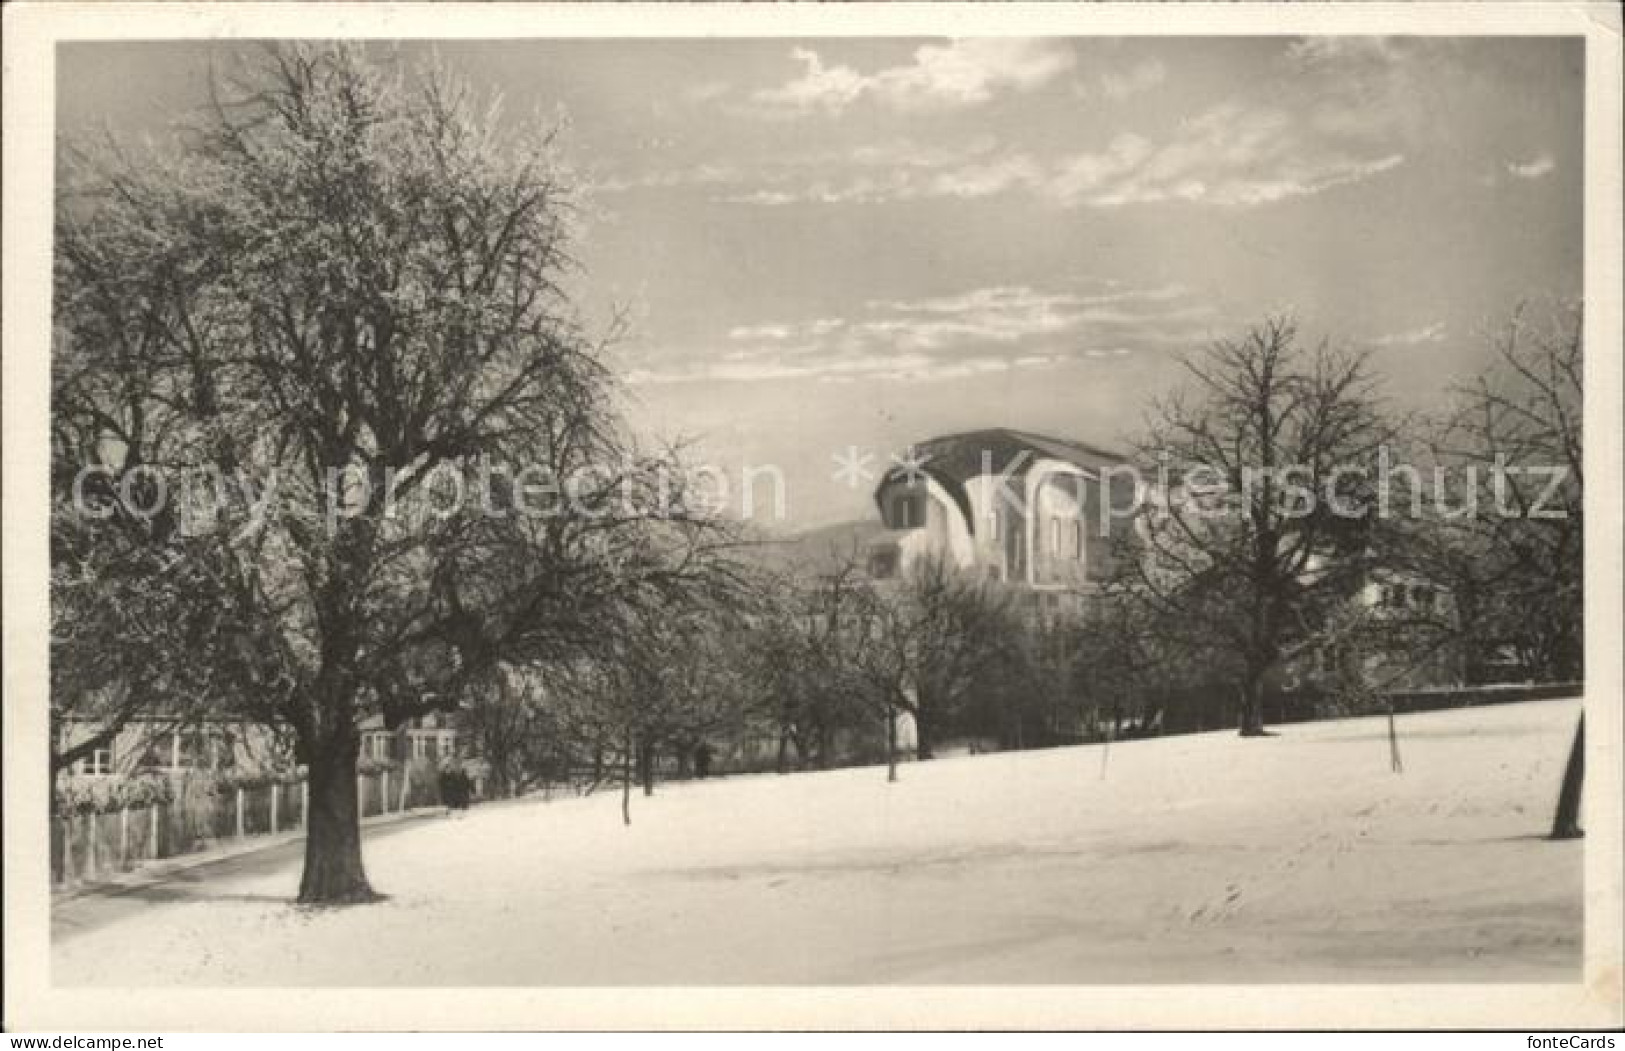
(908, 511)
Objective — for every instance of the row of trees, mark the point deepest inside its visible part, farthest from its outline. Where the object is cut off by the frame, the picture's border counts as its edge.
(1314, 493)
(822, 667)
(1291, 496)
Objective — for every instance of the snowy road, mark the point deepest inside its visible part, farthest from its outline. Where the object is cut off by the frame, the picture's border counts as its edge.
(1208, 858)
(198, 882)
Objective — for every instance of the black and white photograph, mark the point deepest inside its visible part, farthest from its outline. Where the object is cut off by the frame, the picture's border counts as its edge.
(941, 507)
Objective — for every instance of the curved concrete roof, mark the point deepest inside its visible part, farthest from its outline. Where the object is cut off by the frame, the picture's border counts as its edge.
(954, 459)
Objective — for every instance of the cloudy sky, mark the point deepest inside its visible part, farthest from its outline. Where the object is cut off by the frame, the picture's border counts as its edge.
(828, 244)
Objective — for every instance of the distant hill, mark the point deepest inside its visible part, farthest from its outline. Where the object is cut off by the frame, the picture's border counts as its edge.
(817, 549)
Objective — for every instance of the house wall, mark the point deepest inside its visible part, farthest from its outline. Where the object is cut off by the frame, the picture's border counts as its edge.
(1020, 548)
(1064, 497)
(155, 745)
(430, 736)
(1060, 528)
(407, 744)
(944, 531)
(218, 745)
(1002, 551)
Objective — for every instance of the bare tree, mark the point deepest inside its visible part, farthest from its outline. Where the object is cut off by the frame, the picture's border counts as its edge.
(668, 680)
(805, 646)
(1265, 524)
(1508, 530)
(352, 300)
(515, 731)
(133, 591)
(931, 643)
(125, 625)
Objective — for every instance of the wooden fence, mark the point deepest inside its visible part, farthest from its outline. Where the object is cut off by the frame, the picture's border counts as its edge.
(204, 815)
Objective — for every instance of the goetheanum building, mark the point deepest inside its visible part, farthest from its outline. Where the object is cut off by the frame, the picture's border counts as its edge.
(1019, 508)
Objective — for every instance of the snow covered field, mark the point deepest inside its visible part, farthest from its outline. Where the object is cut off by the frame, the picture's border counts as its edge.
(1301, 858)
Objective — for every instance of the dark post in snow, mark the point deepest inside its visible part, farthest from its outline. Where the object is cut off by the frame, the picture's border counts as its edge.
(1566, 825)
(626, 781)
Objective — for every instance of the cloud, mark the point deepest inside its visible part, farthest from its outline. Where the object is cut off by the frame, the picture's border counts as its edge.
(711, 174)
(821, 327)
(706, 91)
(1427, 334)
(818, 87)
(956, 75)
(1016, 171)
(884, 169)
(1537, 168)
(1083, 174)
(1331, 113)
(1375, 89)
(1227, 156)
(981, 330)
(1142, 77)
(1339, 53)
(760, 332)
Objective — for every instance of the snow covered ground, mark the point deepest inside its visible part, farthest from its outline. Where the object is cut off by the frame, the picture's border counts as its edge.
(1208, 858)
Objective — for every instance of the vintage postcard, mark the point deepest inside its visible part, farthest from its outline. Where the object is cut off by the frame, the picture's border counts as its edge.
(812, 516)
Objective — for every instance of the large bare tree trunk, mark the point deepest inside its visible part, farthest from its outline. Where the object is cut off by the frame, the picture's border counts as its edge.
(646, 768)
(922, 735)
(891, 744)
(333, 870)
(1252, 704)
(1566, 825)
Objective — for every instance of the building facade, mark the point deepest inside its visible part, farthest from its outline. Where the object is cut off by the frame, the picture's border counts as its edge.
(159, 745)
(1051, 518)
(155, 744)
(1046, 515)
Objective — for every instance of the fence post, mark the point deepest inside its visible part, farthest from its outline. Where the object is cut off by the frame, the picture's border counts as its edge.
(276, 792)
(67, 848)
(383, 794)
(123, 838)
(90, 850)
(304, 804)
(152, 848)
(239, 812)
(406, 786)
(360, 799)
